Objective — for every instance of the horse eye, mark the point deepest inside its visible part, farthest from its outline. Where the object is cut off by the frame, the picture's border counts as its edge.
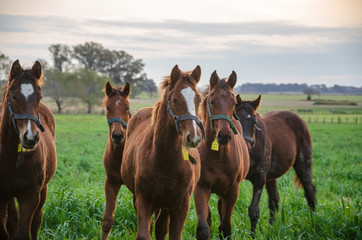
(107, 108)
(13, 97)
(212, 102)
(127, 109)
(174, 100)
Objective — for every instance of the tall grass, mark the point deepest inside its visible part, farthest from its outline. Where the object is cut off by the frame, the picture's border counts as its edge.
(75, 203)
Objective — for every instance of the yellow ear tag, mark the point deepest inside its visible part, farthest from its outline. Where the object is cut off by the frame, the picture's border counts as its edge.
(185, 153)
(215, 145)
(20, 148)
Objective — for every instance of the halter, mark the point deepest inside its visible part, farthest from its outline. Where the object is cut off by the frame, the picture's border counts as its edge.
(24, 116)
(249, 139)
(224, 117)
(183, 117)
(112, 120)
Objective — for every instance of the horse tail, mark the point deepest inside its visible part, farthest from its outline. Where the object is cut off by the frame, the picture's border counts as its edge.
(297, 181)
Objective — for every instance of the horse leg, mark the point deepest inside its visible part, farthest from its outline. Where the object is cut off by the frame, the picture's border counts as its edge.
(201, 197)
(272, 189)
(162, 222)
(13, 219)
(3, 217)
(144, 213)
(178, 215)
(111, 189)
(37, 218)
(254, 209)
(303, 169)
(28, 204)
(228, 203)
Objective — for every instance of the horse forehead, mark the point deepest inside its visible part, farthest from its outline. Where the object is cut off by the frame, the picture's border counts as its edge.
(26, 89)
(189, 94)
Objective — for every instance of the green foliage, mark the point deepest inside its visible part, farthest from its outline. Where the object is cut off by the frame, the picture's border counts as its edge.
(75, 203)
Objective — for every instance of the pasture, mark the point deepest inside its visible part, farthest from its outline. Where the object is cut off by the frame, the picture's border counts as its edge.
(75, 203)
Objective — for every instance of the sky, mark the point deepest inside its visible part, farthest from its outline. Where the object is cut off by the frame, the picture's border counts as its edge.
(263, 41)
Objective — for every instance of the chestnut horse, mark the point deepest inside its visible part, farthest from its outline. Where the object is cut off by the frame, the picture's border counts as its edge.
(27, 155)
(224, 156)
(276, 141)
(160, 165)
(117, 105)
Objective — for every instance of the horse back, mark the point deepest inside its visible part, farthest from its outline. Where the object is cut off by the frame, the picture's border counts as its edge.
(289, 136)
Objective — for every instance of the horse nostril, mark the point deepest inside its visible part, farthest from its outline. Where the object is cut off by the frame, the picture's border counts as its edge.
(117, 137)
(188, 139)
(229, 136)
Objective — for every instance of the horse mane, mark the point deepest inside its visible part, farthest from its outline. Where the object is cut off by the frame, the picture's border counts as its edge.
(23, 74)
(185, 76)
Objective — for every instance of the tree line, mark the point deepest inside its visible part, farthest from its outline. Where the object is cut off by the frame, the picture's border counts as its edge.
(82, 70)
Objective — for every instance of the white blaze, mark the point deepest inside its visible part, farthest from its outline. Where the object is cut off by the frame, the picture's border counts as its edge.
(27, 89)
(30, 134)
(189, 96)
(117, 102)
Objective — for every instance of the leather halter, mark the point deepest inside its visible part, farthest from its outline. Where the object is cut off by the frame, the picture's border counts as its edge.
(224, 117)
(183, 117)
(249, 139)
(24, 116)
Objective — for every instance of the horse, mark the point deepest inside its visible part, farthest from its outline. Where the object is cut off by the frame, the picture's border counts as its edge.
(27, 153)
(161, 164)
(224, 156)
(276, 141)
(116, 102)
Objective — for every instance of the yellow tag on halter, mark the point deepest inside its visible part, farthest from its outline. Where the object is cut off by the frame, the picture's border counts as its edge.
(215, 145)
(185, 153)
(20, 148)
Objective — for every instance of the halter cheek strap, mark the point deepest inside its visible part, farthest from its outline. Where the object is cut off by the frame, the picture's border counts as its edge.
(250, 139)
(183, 117)
(224, 117)
(24, 116)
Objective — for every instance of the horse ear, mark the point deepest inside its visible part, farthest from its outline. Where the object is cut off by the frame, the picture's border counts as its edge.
(256, 103)
(213, 79)
(232, 80)
(127, 89)
(15, 69)
(238, 99)
(109, 88)
(36, 70)
(175, 75)
(196, 73)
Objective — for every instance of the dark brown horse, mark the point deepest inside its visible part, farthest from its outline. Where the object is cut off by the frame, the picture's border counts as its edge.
(160, 165)
(277, 141)
(27, 153)
(224, 156)
(117, 106)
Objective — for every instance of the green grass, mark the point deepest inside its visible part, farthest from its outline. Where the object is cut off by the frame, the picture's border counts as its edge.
(75, 202)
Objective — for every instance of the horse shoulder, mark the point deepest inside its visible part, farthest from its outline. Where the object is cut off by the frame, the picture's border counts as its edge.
(140, 117)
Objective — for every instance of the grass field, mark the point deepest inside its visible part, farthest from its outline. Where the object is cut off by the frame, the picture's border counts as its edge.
(75, 203)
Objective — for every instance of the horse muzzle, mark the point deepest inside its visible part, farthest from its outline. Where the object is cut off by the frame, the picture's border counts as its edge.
(117, 138)
(29, 141)
(223, 139)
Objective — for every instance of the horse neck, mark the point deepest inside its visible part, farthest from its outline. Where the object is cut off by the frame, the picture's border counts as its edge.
(166, 140)
(7, 130)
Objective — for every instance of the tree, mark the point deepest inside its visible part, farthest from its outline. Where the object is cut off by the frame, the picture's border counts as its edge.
(87, 85)
(61, 54)
(309, 92)
(57, 86)
(5, 65)
(90, 55)
(149, 86)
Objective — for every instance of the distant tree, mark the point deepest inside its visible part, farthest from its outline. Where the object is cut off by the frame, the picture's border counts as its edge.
(57, 86)
(309, 92)
(61, 54)
(149, 86)
(5, 65)
(87, 85)
(90, 55)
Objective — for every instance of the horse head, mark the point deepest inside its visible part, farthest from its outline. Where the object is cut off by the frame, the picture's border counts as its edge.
(246, 111)
(23, 96)
(183, 103)
(116, 103)
(220, 105)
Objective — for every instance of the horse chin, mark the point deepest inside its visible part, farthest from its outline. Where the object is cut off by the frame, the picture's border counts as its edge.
(29, 147)
(118, 141)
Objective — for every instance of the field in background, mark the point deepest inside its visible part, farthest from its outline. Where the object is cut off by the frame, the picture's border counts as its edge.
(75, 204)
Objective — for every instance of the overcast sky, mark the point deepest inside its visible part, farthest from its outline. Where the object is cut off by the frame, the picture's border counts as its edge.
(263, 41)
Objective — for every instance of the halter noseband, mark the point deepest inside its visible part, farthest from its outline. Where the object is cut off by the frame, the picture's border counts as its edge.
(217, 117)
(112, 120)
(249, 139)
(183, 117)
(24, 116)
